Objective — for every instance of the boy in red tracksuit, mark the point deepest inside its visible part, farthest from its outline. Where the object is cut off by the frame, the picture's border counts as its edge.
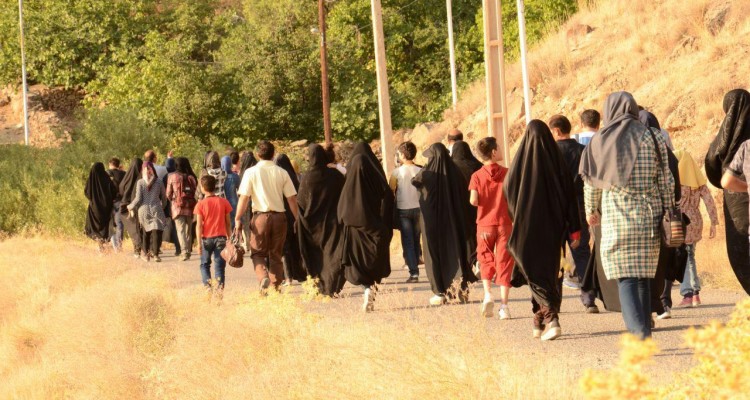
(493, 226)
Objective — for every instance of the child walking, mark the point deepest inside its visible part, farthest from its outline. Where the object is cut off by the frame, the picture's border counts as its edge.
(407, 203)
(212, 227)
(493, 226)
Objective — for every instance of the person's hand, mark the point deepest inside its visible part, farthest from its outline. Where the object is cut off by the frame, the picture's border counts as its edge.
(712, 232)
(169, 154)
(200, 248)
(574, 244)
(594, 219)
(131, 214)
(238, 225)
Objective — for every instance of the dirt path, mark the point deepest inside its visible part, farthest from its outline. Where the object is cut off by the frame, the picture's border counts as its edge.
(588, 340)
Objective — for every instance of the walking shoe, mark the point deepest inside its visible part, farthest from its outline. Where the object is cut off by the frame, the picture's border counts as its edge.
(412, 279)
(552, 332)
(369, 303)
(157, 259)
(667, 314)
(686, 302)
(437, 300)
(184, 257)
(187, 256)
(488, 308)
(537, 331)
(592, 309)
(570, 283)
(504, 312)
(463, 296)
(137, 254)
(696, 300)
(264, 284)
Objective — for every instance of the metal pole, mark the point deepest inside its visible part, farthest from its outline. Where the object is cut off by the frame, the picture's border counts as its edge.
(454, 90)
(23, 76)
(324, 72)
(384, 102)
(524, 66)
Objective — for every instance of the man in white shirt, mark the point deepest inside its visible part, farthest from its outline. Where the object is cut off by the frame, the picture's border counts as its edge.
(407, 203)
(150, 156)
(267, 185)
(590, 120)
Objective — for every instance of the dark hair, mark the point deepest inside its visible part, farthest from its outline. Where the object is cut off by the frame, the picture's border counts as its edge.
(408, 150)
(115, 162)
(330, 153)
(455, 135)
(591, 119)
(149, 156)
(560, 122)
(486, 146)
(208, 183)
(265, 150)
(235, 157)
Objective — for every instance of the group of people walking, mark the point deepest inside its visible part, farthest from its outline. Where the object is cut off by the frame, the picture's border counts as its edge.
(465, 219)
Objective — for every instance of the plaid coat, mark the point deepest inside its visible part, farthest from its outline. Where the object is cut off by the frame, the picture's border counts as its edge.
(630, 215)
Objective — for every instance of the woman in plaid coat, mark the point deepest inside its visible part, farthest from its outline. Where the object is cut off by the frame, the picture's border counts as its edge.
(627, 190)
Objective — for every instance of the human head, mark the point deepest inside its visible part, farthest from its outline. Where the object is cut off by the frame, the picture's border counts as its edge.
(114, 163)
(487, 149)
(454, 136)
(591, 119)
(234, 156)
(330, 153)
(212, 160)
(149, 156)
(407, 150)
(182, 165)
(560, 126)
(226, 164)
(208, 184)
(264, 150)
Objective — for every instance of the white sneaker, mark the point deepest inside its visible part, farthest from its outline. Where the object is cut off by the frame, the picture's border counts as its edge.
(488, 308)
(369, 304)
(437, 300)
(504, 312)
(552, 332)
(666, 315)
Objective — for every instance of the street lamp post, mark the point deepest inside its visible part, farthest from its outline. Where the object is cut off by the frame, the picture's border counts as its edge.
(23, 76)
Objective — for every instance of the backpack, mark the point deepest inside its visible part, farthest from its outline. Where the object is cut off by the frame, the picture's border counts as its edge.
(220, 176)
(185, 189)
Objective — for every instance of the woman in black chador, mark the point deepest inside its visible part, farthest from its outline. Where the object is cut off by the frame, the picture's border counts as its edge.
(127, 191)
(468, 165)
(318, 226)
(365, 210)
(101, 192)
(443, 200)
(542, 204)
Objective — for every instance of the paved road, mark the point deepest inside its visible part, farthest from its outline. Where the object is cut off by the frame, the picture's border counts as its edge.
(588, 340)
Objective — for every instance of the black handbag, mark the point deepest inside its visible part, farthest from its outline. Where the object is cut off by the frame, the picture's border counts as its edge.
(672, 226)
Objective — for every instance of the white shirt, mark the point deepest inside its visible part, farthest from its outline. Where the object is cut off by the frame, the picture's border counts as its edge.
(584, 137)
(161, 171)
(407, 196)
(267, 185)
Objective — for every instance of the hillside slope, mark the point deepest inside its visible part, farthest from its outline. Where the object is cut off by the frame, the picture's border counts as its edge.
(677, 57)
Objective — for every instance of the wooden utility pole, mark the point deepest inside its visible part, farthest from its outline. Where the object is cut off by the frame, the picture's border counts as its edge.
(384, 102)
(524, 65)
(25, 88)
(324, 72)
(494, 69)
(454, 84)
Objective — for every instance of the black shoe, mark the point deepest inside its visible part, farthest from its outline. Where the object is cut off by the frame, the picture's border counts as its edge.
(593, 309)
(412, 279)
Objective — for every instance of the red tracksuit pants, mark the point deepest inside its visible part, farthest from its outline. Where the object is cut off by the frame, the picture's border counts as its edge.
(495, 260)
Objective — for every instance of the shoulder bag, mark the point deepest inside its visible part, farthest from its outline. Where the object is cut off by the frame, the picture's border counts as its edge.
(233, 252)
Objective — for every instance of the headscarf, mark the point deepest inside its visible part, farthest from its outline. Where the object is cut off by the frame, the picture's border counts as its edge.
(649, 119)
(365, 149)
(690, 174)
(148, 174)
(128, 183)
(282, 160)
(170, 165)
(247, 161)
(364, 190)
(465, 160)
(226, 164)
(610, 157)
(101, 192)
(733, 132)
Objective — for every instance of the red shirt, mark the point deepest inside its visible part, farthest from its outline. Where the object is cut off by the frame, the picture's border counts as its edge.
(492, 209)
(214, 211)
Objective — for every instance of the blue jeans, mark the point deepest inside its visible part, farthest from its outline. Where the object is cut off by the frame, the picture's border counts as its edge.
(409, 221)
(212, 247)
(635, 301)
(691, 284)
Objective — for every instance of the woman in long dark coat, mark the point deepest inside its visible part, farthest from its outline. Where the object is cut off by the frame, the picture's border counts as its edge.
(127, 191)
(443, 199)
(101, 192)
(468, 165)
(733, 132)
(292, 259)
(365, 210)
(542, 204)
(318, 227)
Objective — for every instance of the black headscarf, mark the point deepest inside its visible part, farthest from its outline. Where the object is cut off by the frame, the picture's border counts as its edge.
(101, 192)
(468, 165)
(246, 162)
(733, 132)
(649, 119)
(318, 228)
(130, 181)
(610, 157)
(443, 200)
(366, 211)
(542, 204)
(283, 161)
(365, 149)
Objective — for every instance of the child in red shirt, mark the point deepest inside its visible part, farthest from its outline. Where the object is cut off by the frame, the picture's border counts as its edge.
(493, 226)
(212, 227)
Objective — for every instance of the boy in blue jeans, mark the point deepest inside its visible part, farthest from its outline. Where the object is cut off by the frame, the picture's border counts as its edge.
(212, 227)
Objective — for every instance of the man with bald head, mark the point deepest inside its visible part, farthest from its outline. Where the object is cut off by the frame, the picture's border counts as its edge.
(454, 135)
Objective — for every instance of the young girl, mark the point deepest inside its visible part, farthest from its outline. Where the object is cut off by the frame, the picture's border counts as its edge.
(149, 201)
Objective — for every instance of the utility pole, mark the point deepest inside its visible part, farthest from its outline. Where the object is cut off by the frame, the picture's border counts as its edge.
(524, 66)
(494, 71)
(23, 76)
(454, 90)
(384, 102)
(324, 72)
